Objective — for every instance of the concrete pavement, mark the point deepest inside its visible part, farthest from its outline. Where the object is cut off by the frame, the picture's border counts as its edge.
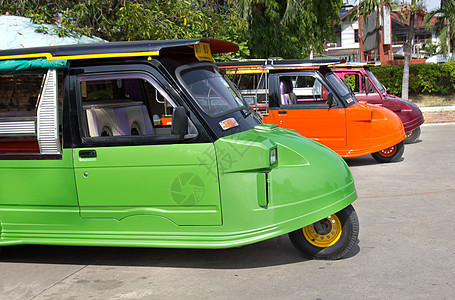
(406, 249)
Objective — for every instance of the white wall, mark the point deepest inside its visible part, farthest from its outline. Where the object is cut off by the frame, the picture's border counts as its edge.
(347, 35)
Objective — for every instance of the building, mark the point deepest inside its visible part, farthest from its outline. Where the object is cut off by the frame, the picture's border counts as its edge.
(348, 43)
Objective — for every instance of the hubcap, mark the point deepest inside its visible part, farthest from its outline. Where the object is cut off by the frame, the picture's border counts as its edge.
(323, 233)
(410, 134)
(388, 151)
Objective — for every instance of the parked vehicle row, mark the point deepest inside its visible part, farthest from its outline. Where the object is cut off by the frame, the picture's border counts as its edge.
(147, 144)
(310, 98)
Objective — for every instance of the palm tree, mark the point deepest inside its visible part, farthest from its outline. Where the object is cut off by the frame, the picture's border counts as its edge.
(445, 24)
(413, 8)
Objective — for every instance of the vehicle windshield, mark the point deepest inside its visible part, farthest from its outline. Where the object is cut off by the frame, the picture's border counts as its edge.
(376, 82)
(338, 84)
(214, 93)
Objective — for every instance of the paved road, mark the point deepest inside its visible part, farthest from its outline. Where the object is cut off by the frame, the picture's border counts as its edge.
(406, 249)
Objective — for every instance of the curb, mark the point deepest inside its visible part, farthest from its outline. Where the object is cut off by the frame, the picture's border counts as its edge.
(438, 114)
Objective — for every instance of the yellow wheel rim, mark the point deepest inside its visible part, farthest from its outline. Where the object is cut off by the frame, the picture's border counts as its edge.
(323, 233)
(409, 134)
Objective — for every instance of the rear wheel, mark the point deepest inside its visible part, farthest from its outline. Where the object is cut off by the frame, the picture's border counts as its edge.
(413, 136)
(330, 238)
(389, 154)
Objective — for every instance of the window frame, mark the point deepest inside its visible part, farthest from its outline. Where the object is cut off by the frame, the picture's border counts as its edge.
(275, 77)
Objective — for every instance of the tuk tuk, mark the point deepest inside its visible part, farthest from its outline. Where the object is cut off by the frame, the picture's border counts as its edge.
(308, 97)
(367, 87)
(146, 144)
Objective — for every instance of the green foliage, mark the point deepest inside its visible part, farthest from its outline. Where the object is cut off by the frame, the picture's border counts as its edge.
(261, 28)
(437, 79)
(129, 20)
(366, 8)
(289, 28)
(444, 25)
(449, 68)
(350, 81)
(430, 48)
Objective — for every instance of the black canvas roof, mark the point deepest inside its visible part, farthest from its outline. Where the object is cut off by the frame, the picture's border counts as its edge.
(117, 49)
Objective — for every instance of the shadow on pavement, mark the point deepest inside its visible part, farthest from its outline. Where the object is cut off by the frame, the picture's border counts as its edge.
(367, 160)
(273, 252)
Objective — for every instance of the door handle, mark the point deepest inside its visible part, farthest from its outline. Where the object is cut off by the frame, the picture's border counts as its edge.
(282, 112)
(87, 153)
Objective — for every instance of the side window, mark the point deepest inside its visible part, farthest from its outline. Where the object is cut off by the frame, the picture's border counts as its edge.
(252, 87)
(302, 89)
(30, 110)
(353, 81)
(249, 81)
(124, 105)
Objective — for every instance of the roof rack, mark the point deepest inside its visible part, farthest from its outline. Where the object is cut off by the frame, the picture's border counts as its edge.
(274, 63)
(356, 64)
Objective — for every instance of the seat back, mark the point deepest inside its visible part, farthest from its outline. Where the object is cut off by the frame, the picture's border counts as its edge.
(118, 120)
(287, 95)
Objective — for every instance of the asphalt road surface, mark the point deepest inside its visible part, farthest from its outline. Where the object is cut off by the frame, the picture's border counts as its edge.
(406, 249)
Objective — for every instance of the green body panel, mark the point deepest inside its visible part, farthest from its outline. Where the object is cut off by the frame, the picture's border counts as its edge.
(126, 198)
(176, 182)
(38, 182)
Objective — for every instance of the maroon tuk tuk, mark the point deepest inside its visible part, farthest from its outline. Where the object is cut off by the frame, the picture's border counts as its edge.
(368, 88)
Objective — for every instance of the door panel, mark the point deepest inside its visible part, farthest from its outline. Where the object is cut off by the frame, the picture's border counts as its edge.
(135, 166)
(177, 182)
(324, 125)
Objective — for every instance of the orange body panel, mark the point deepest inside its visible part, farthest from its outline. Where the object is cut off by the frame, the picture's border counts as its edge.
(166, 121)
(326, 126)
(357, 130)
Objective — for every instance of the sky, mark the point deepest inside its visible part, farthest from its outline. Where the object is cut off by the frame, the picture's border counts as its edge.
(429, 4)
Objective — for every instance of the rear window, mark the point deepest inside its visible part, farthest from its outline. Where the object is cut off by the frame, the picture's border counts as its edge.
(19, 100)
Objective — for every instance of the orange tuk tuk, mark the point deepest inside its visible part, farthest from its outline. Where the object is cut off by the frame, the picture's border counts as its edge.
(308, 97)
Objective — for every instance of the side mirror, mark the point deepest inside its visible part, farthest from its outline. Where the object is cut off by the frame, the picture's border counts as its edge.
(367, 86)
(179, 121)
(330, 99)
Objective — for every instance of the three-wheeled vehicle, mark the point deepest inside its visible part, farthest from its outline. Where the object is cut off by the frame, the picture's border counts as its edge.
(87, 156)
(309, 98)
(368, 88)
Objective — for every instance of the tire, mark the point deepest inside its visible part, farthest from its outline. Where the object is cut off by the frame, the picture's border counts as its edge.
(389, 154)
(413, 136)
(339, 234)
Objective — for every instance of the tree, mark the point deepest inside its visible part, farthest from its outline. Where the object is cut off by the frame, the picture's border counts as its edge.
(415, 7)
(127, 20)
(366, 8)
(444, 25)
(288, 28)
(408, 11)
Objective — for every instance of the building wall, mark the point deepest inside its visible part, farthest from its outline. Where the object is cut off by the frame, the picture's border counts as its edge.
(348, 35)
